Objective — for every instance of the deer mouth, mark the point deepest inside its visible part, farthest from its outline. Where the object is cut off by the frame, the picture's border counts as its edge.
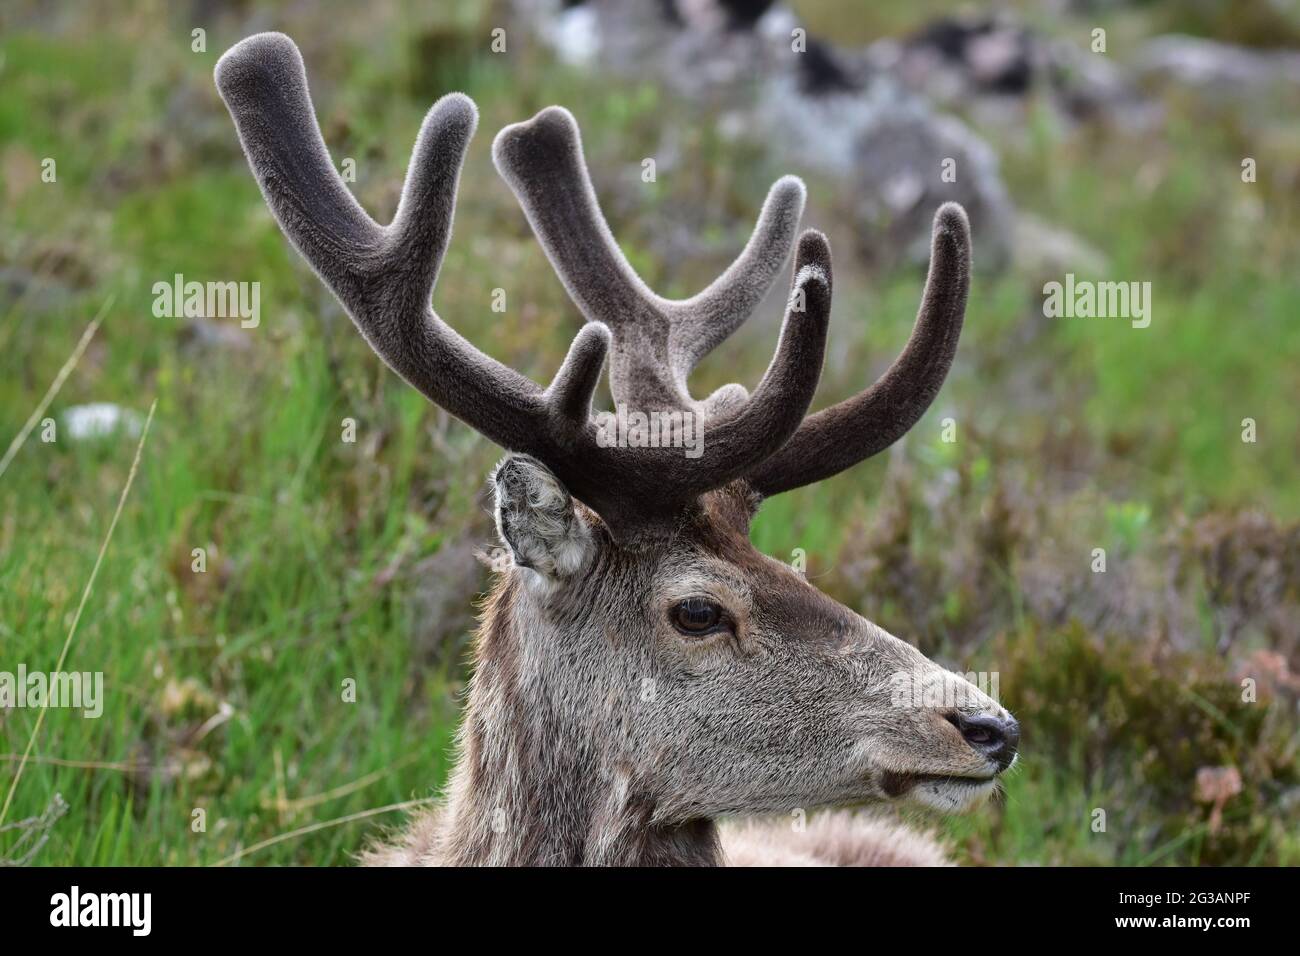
(896, 784)
(951, 793)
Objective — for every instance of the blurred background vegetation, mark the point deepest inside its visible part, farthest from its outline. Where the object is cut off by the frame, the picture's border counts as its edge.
(329, 560)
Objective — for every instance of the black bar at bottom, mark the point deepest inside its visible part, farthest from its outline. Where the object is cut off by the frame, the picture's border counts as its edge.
(331, 906)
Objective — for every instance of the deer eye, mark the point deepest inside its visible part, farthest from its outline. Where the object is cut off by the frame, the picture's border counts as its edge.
(697, 616)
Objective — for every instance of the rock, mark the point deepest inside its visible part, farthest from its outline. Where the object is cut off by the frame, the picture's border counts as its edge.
(1044, 252)
(889, 150)
(446, 583)
(993, 54)
(37, 293)
(203, 334)
(696, 48)
(988, 66)
(822, 110)
(1215, 68)
(896, 199)
(573, 34)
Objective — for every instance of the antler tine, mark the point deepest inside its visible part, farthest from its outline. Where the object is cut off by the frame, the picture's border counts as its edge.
(634, 487)
(264, 85)
(763, 423)
(703, 321)
(571, 390)
(383, 275)
(542, 161)
(839, 437)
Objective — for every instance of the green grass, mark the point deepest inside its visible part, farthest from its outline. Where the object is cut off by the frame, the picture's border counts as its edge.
(225, 689)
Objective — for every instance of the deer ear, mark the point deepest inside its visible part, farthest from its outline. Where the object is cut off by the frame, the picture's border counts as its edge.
(537, 520)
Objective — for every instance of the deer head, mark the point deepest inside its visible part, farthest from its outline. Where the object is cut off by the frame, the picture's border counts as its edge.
(641, 668)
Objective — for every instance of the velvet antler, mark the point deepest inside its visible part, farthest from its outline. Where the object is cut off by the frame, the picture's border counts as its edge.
(384, 277)
(839, 437)
(656, 341)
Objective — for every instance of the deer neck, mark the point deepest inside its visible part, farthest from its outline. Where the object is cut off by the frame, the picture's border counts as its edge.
(529, 790)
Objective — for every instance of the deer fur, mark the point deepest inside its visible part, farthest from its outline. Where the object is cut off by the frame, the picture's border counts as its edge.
(643, 676)
(590, 744)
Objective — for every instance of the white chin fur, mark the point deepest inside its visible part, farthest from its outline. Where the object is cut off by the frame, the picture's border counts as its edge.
(952, 796)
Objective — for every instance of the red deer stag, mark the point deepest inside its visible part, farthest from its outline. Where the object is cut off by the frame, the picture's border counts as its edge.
(641, 670)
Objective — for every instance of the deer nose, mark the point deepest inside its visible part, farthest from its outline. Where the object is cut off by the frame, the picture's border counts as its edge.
(995, 737)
